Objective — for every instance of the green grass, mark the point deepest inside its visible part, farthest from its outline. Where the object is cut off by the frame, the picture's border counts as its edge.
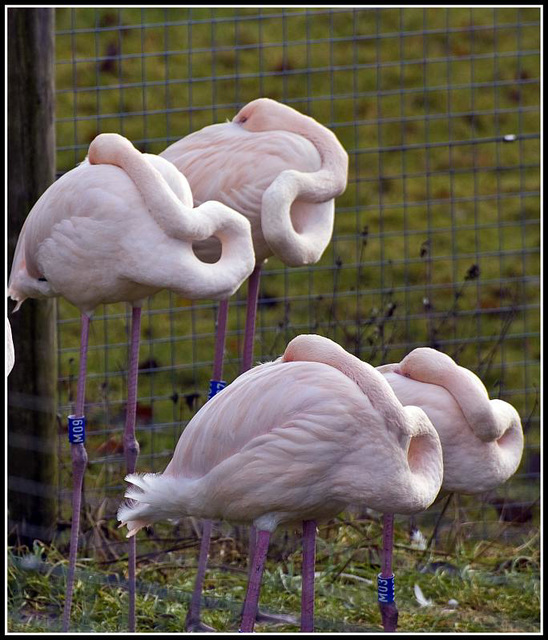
(455, 224)
(496, 583)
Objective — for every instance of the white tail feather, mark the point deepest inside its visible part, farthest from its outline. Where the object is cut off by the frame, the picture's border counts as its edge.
(420, 597)
(153, 497)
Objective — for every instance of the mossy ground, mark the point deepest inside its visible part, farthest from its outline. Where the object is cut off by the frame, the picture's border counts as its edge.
(495, 582)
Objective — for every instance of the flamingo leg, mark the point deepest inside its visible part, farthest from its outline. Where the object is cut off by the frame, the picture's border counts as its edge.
(307, 594)
(254, 585)
(387, 604)
(193, 622)
(251, 315)
(79, 462)
(131, 447)
(247, 361)
(261, 616)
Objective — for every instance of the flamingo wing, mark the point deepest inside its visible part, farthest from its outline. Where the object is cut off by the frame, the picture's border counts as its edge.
(295, 424)
(221, 160)
(227, 163)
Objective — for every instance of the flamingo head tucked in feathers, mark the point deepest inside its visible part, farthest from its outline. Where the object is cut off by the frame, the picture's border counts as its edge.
(265, 114)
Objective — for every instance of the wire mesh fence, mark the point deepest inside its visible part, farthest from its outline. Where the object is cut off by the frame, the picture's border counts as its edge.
(436, 239)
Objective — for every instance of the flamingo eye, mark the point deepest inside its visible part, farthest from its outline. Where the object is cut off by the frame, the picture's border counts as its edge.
(243, 119)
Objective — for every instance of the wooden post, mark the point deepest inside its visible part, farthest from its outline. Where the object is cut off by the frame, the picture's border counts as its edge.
(32, 384)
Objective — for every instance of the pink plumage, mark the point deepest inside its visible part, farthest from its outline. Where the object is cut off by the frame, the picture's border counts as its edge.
(297, 439)
(120, 227)
(482, 439)
(10, 351)
(282, 170)
(294, 439)
(278, 167)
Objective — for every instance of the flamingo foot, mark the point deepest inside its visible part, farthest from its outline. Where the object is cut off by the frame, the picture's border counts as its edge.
(195, 625)
(275, 618)
(389, 615)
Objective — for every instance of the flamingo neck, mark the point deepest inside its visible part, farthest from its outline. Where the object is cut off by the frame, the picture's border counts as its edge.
(330, 181)
(433, 367)
(312, 348)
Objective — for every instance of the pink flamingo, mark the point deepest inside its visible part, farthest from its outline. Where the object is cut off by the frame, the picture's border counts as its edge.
(482, 439)
(10, 351)
(120, 227)
(282, 170)
(294, 440)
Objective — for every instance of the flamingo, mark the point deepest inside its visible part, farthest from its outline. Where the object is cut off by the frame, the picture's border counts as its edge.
(120, 227)
(482, 439)
(282, 170)
(10, 351)
(294, 440)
